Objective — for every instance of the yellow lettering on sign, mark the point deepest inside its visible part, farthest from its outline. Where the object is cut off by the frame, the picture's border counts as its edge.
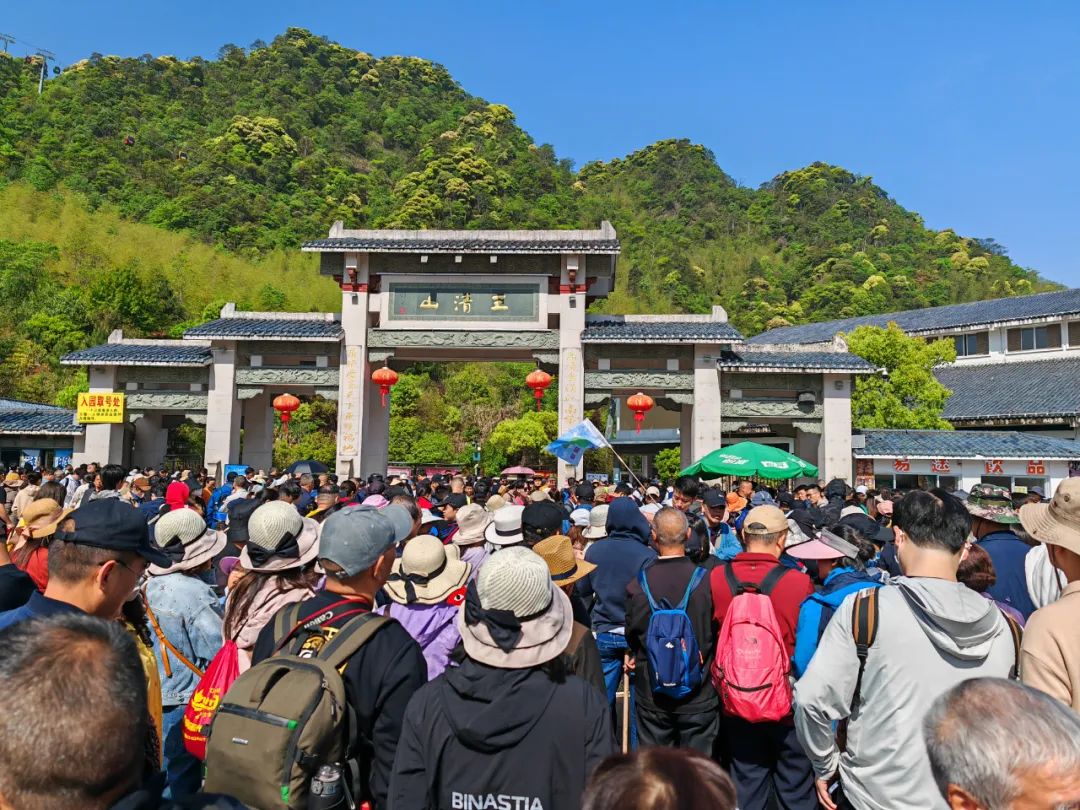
(463, 302)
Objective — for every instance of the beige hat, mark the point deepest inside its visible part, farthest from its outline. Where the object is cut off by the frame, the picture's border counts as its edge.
(558, 552)
(1057, 522)
(536, 496)
(505, 528)
(764, 520)
(472, 520)
(514, 616)
(597, 523)
(495, 503)
(182, 534)
(426, 573)
(279, 539)
(40, 518)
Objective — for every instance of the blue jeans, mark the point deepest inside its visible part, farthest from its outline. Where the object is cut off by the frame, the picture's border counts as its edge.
(613, 647)
(183, 772)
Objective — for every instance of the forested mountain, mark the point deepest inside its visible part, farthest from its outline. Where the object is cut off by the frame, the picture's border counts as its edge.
(262, 148)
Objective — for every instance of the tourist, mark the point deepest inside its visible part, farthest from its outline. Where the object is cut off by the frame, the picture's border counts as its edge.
(473, 521)
(691, 721)
(96, 557)
(842, 555)
(976, 571)
(596, 530)
(31, 550)
(993, 517)
(279, 565)
(617, 558)
(357, 551)
(13, 482)
(582, 498)
(994, 744)
(542, 519)
(508, 724)
(138, 491)
(1051, 651)
(155, 502)
(687, 492)
(109, 482)
(505, 528)
(91, 752)
(15, 585)
(25, 494)
(931, 633)
(765, 756)
(186, 617)
(426, 588)
(327, 498)
(723, 543)
(582, 654)
(659, 779)
(307, 494)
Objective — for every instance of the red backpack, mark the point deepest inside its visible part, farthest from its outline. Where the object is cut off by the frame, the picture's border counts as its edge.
(751, 667)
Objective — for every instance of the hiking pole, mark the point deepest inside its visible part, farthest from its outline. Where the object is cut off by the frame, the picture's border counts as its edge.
(626, 712)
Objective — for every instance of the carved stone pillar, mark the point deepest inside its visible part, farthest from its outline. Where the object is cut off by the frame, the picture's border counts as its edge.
(355, 376)
(222, 411)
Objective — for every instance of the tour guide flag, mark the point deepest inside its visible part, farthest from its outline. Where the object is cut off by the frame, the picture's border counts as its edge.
(571, 446)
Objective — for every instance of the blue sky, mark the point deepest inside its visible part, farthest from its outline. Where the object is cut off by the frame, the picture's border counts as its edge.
(965, 112)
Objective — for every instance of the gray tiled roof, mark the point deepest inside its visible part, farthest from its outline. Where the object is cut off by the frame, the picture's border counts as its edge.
(23, 405)
(617, 331)
(47, 420)
(955, 444)
(139, 354)
(1035, 388)
(934, 319)
(266, 329)
(602, 241)
(755, 360)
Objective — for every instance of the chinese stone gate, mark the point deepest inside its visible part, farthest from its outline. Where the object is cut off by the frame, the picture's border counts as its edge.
(410, 296)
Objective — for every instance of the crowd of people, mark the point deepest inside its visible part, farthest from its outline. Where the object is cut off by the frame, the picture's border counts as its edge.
(467, 642)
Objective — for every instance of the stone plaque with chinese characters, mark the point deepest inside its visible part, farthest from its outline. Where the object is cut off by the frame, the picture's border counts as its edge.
(458, 301)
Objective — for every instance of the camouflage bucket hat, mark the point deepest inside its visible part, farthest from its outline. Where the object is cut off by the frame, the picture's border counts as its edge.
(992, 503)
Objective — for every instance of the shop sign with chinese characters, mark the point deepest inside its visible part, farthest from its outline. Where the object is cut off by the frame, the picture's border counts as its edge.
(460, 301)
(95, 409)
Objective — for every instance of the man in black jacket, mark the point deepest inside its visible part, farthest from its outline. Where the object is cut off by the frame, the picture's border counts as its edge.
(357, 550)
(509, 727)
(692, 721)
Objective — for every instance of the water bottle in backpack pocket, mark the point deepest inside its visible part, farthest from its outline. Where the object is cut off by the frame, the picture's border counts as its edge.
(751, 667)
(676, 665)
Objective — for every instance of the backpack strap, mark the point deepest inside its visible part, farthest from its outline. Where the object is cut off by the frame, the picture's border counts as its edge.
(286, 623)
(864, 626)
(350, 638)
(1017, 637)
(644, 583)
(167, 646)
(698, 575)
(771, 578)
(764, 587)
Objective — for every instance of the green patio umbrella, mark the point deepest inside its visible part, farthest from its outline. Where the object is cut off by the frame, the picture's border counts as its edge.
(749, 459)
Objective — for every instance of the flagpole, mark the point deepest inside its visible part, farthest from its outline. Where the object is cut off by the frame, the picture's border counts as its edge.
(620, 458)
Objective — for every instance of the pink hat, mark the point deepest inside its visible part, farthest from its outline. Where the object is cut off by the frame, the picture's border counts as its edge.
(884, 507)
(828, 546)
(378, 501)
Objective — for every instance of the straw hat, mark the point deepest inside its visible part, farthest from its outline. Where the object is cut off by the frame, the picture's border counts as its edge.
(558, 552)
(40, 518)
(279, 539)
(182, 534)
(495, 503)
(426, 573)
(514, 616)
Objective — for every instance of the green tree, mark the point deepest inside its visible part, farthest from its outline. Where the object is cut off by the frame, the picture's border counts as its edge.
(669, 463)
(907, 395)
(522, 440)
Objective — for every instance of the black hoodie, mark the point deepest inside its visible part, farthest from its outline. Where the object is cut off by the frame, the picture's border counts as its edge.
(509, 739)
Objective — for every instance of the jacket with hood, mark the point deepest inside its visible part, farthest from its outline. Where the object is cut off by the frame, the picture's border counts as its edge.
(618, 558)
(818, 609)
(433, 626)
(478, 736)
(829, 514)
(1007, 553)
(932, 634)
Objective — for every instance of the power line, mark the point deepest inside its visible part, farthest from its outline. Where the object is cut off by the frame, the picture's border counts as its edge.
(8, 41)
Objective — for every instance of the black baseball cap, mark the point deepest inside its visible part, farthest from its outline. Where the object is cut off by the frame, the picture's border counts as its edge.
(869, 528)
(584, 491)
(454, 499)
(714, 498)
(111, 523)
(543, 517)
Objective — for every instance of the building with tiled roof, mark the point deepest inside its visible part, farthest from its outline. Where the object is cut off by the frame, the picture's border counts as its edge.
(36, 433)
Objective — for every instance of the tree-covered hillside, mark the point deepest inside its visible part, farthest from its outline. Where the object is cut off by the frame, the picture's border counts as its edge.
(254, 152)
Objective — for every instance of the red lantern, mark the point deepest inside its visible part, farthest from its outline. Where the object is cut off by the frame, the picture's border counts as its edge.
(386, 378)
(639, 403)
(285, 405)
(538, 381)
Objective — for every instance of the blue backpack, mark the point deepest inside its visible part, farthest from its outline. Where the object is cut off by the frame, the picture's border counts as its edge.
(675, 660)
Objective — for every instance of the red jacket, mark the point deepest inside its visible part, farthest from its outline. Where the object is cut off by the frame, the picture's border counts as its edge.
(787, 597)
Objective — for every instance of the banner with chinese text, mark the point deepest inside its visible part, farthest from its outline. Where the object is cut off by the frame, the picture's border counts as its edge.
(96, 409)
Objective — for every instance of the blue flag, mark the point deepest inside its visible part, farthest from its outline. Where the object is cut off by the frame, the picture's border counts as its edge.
(571, 445)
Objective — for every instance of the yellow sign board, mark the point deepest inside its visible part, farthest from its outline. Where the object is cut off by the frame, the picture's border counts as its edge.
(103, 408)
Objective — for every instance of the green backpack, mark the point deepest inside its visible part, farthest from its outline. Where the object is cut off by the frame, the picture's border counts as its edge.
(288, 715)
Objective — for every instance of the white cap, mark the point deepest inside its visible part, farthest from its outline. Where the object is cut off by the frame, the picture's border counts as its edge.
(862, 489)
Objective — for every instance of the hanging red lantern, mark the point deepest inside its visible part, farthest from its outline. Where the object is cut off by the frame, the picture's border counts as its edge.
(639, 403)
(285, 405)
(386, 378)
(538, 381)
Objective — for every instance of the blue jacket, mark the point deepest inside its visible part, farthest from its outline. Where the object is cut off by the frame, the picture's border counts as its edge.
(189, 615)
(727, 543)
(618, 558)
(1007, 553)
(816, 611)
